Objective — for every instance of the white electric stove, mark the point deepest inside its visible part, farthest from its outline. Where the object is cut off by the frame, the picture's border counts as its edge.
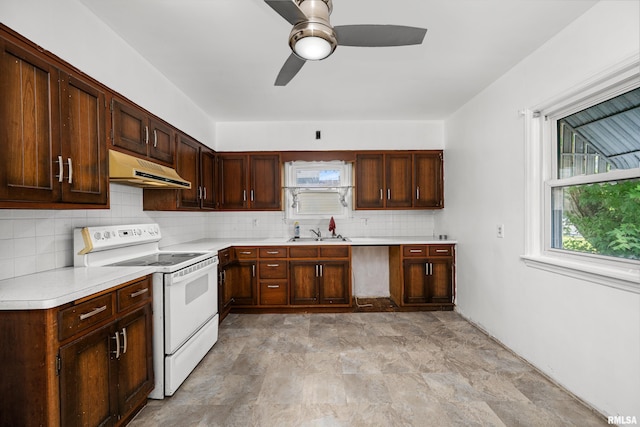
(185, 294)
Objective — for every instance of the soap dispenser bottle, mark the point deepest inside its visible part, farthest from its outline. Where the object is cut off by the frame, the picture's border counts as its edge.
(296, 230)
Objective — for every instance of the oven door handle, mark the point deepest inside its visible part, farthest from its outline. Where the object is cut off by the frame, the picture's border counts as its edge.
(174, 280)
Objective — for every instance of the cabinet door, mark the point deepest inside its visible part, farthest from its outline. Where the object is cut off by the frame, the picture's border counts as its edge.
(135, 365)
(244, 283)
(415, 281)
(233, 181)
(161, 141)
(441, 280)
(369, 181)
(208, 178)
(334, 285)
(303, 282)
(265, 191)
(428, 192)
(398, 173)
(188, 167)
(88, 370)
(84, 150)
(29, 126)
(130, 128)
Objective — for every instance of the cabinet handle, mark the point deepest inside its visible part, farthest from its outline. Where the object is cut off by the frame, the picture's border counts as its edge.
(388, 194)
(273, 265)
(273, 252)
(146, 135)
(273, 286)
(252, 195)
(70, 170)
(60, 169)
(415, 251)
(253, 270)
(245, 252)
(155, 138)
(317, 270)
(321, 270)
(93, 312)
(244, 195)
(418, 193)
(138, 293)
(381, 196)
(426, 268)
(441, 251)
(205, 193)
(117, 352)
(124, 340)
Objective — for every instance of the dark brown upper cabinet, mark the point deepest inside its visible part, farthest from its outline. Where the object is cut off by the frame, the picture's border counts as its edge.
(399, 180)
(137, 132)
(249, 181)
(52, 132)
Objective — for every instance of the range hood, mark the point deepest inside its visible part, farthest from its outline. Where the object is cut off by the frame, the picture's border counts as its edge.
(126, 169)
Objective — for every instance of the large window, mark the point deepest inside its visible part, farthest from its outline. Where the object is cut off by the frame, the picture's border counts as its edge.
(595, 198)
(582, 190)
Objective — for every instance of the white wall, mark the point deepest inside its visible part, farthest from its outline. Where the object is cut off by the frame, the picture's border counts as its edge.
(69, 30)
(359, 135)
(583, 335)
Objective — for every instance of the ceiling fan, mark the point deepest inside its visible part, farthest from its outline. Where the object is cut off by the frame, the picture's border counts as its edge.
(313, 38)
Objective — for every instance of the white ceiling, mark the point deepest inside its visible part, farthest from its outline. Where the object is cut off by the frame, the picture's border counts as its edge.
(226, 54)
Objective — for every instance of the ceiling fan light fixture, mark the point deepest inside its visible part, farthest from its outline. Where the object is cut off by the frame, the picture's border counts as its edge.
(312, 41)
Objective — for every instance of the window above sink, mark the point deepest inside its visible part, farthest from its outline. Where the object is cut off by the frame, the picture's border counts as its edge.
(318, 189)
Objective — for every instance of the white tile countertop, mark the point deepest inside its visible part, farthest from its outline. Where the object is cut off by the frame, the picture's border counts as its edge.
(53, 288)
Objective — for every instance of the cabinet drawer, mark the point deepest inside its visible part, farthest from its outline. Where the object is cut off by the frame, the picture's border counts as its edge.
(303, 252)
(273, 252)
(84, 315)
(224, 257)
(414, 251)
(273, 293)
(276, 269)
(243, 253)
(134, 294)
(440, 250)
(334, 251)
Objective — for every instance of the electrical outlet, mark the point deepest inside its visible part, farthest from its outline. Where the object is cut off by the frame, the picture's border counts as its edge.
(500, 231)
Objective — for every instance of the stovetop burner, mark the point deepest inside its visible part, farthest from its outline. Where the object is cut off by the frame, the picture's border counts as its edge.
(159, 259)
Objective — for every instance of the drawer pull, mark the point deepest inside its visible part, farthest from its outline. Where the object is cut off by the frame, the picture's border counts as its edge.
(138, 293)
(273, 286)
(273, 252)
(245, 252)
(440, 251)
(415, 251)
(85, 316)
(273, 265)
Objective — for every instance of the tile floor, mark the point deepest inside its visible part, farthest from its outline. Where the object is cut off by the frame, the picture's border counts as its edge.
(362, 369)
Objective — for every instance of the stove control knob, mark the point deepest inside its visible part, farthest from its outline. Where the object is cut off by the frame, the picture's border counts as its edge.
(139, 232)
(107, 235)
(97, 235)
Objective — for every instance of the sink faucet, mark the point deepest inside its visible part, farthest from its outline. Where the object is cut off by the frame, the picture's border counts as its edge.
(316, 232)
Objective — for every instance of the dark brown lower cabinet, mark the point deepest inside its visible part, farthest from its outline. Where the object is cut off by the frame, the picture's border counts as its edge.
(86, 363)
(422, 275)
(319, 282)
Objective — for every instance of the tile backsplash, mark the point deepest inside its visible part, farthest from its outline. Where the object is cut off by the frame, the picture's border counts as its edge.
(37, 240)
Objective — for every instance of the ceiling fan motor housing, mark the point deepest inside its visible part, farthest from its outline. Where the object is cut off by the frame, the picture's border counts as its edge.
(316, 25)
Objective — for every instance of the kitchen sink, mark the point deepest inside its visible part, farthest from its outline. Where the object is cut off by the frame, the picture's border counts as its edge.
(319, 239)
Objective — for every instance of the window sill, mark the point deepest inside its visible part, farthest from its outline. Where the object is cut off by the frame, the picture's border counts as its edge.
(626, 279)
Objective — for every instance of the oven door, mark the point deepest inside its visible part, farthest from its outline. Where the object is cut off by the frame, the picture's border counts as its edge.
(190, 300)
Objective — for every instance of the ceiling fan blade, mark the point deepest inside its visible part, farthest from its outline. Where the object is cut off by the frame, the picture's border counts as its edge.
(292, 65)
(288, 10)
(378, 35)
